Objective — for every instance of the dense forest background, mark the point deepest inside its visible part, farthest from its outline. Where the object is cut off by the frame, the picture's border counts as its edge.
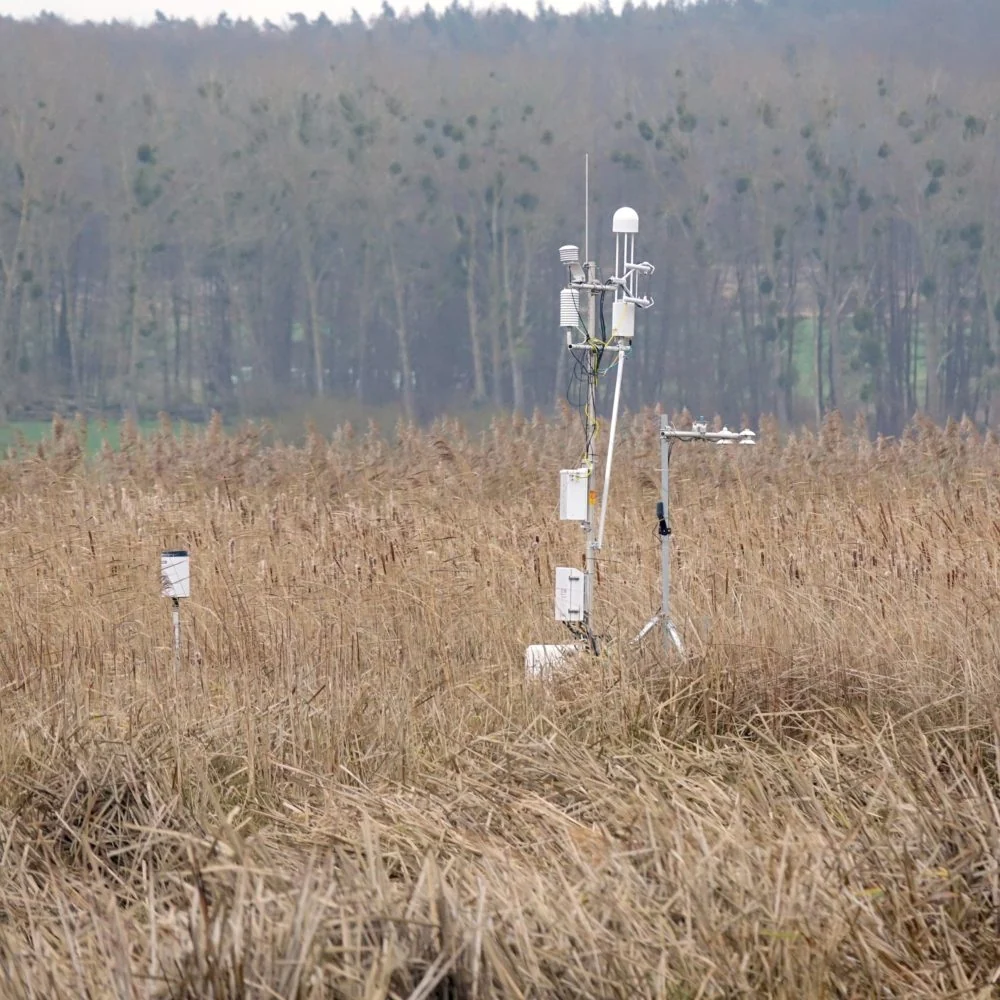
(238, 216)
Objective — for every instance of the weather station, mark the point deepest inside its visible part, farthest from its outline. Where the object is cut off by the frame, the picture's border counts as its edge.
(583, 319)
(597, 351)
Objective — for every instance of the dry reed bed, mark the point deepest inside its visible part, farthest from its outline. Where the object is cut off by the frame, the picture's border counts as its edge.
(350, 789)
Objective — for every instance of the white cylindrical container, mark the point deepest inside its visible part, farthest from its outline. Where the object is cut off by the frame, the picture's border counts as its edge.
(542, 661)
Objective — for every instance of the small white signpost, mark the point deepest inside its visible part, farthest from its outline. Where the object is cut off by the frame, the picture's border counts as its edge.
(175, 581)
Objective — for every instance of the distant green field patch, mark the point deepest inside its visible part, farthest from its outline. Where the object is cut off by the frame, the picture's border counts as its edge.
(21, 434)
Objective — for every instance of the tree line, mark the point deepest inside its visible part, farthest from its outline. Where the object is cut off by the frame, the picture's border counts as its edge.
(236, 215)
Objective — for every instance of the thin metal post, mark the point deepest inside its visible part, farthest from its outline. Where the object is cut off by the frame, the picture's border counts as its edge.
(177, 634)
(665, 535)
(669, 631)
(591, 459)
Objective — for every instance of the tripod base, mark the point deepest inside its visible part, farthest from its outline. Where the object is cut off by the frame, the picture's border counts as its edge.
(675, 637)
(669, 628)
(543, 660)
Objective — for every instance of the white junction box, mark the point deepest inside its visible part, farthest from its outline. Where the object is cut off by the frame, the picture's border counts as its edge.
(623, 320)
(175, 573)
(569, 594)
(573, 485)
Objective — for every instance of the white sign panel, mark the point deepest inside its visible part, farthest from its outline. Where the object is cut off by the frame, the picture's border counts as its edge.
(175, 574)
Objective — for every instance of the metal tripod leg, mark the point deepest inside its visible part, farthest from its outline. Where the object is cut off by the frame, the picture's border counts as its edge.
(647, 628)
(674, 636)
(669, 629)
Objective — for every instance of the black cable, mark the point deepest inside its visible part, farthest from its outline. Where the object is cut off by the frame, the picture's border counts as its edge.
(596, 356)
(604, 329)
(578, 376)
(579, 367)
(586, 370)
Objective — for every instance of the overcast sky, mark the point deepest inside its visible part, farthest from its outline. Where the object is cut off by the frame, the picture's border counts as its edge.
(141, 11)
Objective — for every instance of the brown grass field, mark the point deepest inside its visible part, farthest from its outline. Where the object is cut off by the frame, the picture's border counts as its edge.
(350, 790)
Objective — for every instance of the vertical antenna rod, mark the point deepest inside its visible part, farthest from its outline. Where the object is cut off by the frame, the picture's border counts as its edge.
(586, 207)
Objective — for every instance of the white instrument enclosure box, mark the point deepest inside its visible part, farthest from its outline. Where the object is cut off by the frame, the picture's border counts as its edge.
(573, 485)
(623, 320)
(570, 585)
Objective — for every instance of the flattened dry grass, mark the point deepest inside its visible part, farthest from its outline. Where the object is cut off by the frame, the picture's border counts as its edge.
(349, 789)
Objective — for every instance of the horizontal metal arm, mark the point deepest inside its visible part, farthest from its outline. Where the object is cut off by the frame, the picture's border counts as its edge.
(644, 268)
(608, 285)
(624, 348)
(725, 436)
